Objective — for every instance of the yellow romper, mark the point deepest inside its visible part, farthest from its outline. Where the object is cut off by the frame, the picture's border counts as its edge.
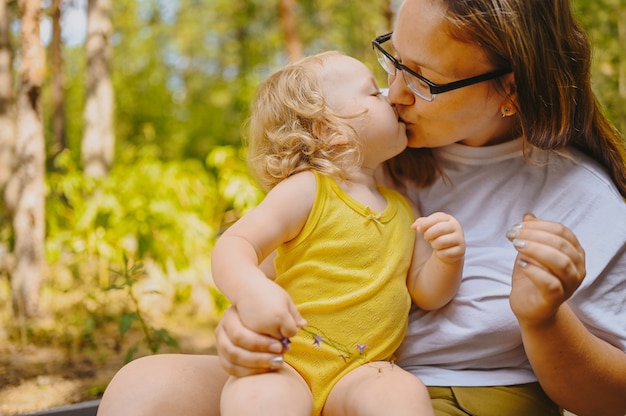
(346, 272)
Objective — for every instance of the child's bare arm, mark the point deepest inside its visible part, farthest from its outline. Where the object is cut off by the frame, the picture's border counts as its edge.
(438, 260)
(263, 305)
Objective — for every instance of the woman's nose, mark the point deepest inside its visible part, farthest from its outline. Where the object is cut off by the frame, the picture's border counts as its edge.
(398, 92)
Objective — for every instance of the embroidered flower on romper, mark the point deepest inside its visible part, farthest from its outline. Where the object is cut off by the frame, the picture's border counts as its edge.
(285, 341)
(317, 340)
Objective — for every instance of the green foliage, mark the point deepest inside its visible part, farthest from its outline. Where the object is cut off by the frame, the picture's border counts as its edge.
(605, 22)
(238, 192)
(153, 338)
(219, 300)
(165, 211)
(185, 71)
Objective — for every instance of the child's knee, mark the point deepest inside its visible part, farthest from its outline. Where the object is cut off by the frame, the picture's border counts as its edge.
(266, 394)
(408, 382)
(379, 388)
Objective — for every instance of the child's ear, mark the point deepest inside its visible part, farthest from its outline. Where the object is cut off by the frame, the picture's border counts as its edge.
(332, 136)
(338, 139)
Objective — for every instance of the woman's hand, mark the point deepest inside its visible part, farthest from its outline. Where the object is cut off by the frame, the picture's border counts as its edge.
(244, 352)
(549, 267)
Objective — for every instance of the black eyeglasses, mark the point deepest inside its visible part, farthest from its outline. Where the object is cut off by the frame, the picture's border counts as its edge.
(418, 84)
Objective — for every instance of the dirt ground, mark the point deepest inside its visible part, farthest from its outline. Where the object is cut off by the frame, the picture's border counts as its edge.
(38, 378)
(70, 352)
(41, 378)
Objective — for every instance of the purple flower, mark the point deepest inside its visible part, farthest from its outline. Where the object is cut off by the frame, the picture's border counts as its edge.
(285, 341)
(361, 347)
(317, 340)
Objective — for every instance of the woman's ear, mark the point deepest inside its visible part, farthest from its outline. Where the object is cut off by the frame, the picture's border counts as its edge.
(510, 103)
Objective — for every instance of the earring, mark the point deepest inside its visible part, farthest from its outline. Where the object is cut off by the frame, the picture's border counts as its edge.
(506, 111)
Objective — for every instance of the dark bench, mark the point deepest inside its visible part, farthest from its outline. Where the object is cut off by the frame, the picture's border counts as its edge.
(79, 409)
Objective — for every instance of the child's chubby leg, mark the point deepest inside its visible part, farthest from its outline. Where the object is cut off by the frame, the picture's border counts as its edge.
(379, 388)
(283, 392)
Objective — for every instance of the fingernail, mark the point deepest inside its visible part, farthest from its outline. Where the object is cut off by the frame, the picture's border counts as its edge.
(521, 263)
(276, 362)
(512, 233)
(517, 242)
(275, 348)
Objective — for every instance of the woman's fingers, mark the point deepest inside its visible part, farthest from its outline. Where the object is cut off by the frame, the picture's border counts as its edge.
(552, 247)
(244, 352)
(550, 266)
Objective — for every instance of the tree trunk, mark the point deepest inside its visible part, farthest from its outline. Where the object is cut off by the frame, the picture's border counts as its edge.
(621, 65)
(58, 96)
(288, 23)
(28, 219)
(98, 142)
(389, 15)
(7, 109)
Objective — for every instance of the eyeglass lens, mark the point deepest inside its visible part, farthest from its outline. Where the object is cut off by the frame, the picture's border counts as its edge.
(416, 85)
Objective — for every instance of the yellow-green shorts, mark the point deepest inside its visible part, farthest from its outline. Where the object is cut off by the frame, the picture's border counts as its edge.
(519, 400)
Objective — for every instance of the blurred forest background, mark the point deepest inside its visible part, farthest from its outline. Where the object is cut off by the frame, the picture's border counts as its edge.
(121, 161)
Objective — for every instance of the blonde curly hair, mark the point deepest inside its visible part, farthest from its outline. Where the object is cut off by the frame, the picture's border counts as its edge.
(293, 129)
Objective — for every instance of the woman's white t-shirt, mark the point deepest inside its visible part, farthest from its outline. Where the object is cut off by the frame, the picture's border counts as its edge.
(475, 340)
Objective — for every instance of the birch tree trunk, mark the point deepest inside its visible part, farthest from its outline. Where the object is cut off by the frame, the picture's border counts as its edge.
(58, 96)
(28, 219)
(98, 143)
(7, 109)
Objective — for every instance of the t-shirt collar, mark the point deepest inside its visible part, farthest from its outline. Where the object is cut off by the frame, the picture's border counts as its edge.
(480, 155)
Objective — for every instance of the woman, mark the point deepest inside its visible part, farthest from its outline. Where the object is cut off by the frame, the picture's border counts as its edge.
(541, 298)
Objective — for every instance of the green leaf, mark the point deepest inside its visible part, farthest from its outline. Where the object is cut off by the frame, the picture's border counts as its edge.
(130, 354)
(126, 322)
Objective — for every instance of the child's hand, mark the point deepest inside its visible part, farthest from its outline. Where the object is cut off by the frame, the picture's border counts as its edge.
(444, 234)
(268, 309)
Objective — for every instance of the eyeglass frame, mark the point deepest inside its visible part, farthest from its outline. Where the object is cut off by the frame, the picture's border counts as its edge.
(434, 87)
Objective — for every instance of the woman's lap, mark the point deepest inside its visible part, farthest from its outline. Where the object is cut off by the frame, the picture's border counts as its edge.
(521, 400)
(164, 385)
